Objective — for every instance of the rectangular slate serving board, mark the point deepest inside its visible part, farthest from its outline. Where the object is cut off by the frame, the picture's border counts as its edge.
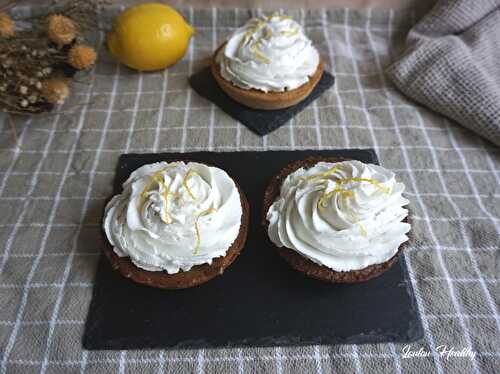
(259, 300)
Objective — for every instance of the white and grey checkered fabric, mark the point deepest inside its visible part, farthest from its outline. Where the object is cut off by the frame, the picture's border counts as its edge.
(53, 187)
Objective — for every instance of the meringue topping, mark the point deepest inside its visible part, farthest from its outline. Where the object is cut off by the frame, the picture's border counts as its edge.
(268, 54)
(346, 215)
(173, 216)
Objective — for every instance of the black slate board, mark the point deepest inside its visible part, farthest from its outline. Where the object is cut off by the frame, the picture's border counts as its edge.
(260, 300)
(261, 122)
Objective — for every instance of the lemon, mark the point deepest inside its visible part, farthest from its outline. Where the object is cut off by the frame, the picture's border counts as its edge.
(149, 37)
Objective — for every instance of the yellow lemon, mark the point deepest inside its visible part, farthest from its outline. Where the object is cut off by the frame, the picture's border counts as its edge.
(149, 37)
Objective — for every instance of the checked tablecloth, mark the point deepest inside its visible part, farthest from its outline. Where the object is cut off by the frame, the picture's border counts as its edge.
(53, 187)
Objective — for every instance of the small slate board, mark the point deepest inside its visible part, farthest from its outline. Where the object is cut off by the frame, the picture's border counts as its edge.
(259, 300)
(259, 121)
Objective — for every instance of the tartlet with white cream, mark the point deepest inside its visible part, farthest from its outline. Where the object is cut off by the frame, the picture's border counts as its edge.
(339, 221)
(176, 224)
(268, 63)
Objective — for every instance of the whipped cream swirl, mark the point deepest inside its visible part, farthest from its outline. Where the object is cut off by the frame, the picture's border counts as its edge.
(173, 216)
(268, 54)
(346, 215)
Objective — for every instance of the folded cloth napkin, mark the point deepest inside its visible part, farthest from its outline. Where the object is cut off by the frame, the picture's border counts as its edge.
(451, 64)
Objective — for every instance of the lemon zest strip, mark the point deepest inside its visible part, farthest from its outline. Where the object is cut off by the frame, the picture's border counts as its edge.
(184, 183)
(253, 29)
(152, 179)
(166, 194)
(258, 54)
(197, 229)
(362, 230)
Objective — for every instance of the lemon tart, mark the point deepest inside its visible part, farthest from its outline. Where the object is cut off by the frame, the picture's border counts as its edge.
(337, 220)
(176, 224)
(269, 63)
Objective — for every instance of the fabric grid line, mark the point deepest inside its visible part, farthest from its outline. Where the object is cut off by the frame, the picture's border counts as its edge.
(54, 184)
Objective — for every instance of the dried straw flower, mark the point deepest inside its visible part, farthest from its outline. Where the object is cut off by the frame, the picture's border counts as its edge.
(55, 91)
(7, 26)
(61, 30)
(37, 53)
(82, 57)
